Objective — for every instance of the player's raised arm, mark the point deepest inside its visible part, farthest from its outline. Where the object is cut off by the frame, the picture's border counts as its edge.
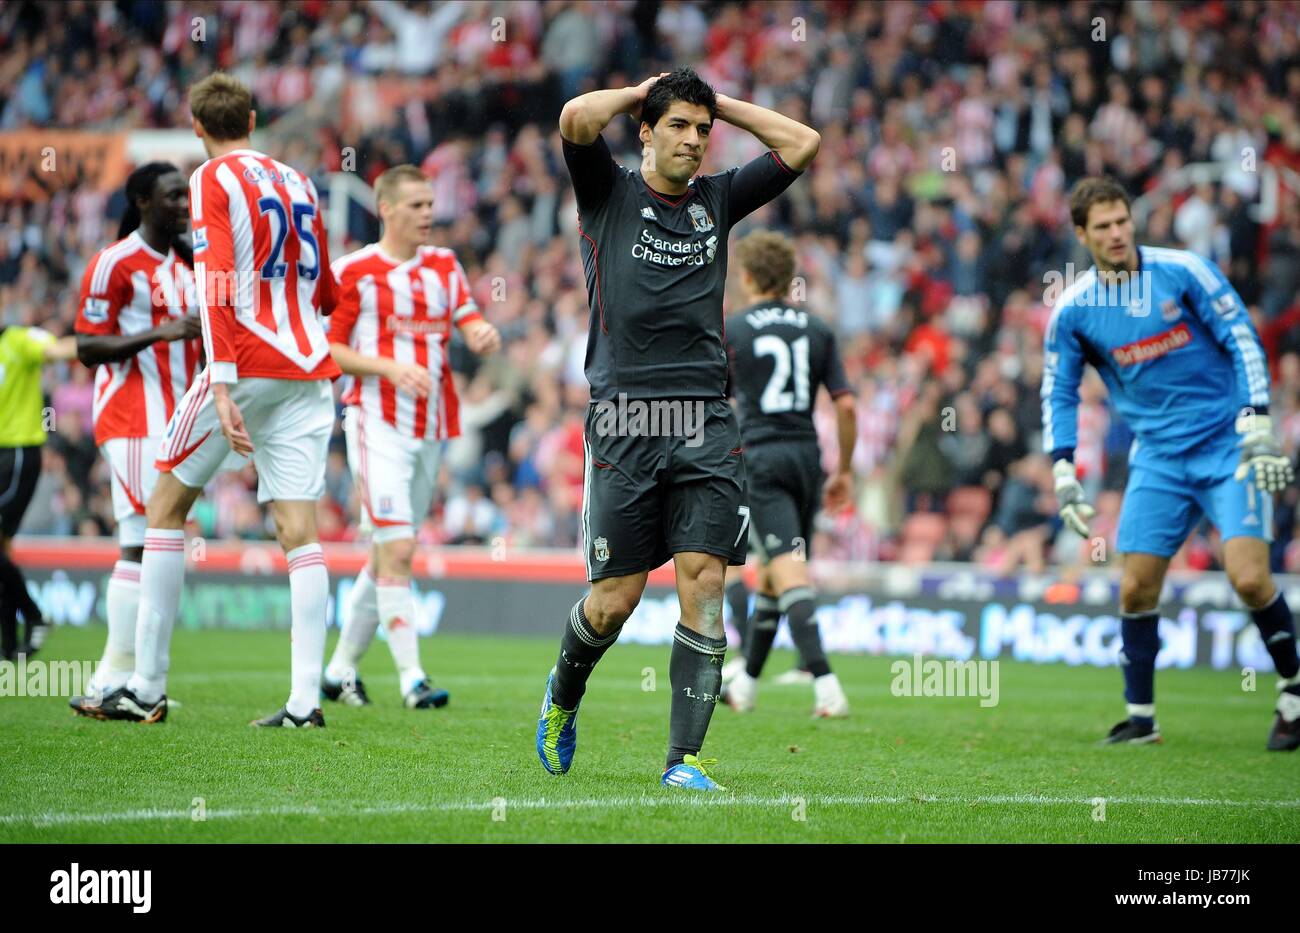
(1218, 306)
(591, 167)
(1062, 371)
(583, 118)
(791, 148)
(795, 143)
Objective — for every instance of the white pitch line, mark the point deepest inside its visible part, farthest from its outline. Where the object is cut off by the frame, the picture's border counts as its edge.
(622, 803)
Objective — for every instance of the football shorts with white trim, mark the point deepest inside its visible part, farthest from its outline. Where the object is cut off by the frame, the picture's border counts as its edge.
(288, 420)
(1168, 494)
(396, 475)
(647, 497)
(131, 464)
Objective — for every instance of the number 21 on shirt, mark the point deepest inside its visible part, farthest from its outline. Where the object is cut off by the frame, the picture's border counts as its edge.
(776, 396)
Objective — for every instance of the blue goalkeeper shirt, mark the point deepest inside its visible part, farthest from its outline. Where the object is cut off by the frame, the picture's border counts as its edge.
(1176, 350)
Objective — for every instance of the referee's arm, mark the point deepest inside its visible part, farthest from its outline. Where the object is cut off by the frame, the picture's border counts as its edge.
(63, 350)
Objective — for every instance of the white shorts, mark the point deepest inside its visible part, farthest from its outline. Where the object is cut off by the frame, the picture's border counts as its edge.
(396, 476)
(288, 420)
(131, 460)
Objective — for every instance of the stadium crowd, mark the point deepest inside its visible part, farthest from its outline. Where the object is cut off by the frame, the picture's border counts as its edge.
(928, 228)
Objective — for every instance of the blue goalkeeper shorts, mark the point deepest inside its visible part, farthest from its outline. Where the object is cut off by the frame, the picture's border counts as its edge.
(1168, 494)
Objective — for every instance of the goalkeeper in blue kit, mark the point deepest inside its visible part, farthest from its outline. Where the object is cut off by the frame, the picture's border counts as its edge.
(1174, 345)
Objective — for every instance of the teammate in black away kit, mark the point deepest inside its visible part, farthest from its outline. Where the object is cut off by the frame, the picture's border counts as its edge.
(654, 247)
(780, 356)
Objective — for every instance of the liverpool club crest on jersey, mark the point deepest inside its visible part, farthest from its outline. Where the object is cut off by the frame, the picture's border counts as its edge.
(700, 218)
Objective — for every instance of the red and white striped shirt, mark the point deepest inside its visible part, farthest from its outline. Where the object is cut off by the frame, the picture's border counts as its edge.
(403, 311)
(129, 288)
(261, 260)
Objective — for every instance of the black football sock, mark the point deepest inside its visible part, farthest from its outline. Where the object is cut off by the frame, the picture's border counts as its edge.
(1140, 635)
(762, 625)
(8, 625)
(580, 648)
(737, 596)
(695, 671)
(796, 604)
(14, 585)
(1277, 629)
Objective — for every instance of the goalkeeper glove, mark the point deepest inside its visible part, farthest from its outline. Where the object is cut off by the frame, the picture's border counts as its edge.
(1074, 509)
(1261, 452)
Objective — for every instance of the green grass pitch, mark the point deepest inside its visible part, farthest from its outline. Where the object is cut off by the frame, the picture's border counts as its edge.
(900, 769)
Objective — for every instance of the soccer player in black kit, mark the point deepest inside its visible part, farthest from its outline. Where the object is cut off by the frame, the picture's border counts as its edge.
(780, 356)
(654, 247)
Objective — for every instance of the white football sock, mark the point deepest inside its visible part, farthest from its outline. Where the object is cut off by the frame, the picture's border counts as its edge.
(1288, 704)
(397, 612)
(358, 631)
(309, 590)
(123, 604)
(162, 573)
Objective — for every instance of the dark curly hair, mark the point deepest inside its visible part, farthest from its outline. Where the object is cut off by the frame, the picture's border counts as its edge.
(684, 85)
(139, 187)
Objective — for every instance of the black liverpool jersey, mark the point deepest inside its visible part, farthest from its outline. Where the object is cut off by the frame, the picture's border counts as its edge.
(779, 357)
(656, 266)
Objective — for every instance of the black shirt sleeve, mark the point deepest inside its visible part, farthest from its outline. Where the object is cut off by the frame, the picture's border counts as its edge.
(592, 169)
(755, 183)
(837, 383)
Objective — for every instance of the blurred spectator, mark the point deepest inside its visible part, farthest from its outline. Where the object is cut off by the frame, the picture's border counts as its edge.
(925, 228)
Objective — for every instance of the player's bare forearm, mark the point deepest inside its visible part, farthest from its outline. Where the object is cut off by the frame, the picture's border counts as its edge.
(232, 421)
(846, 429)
(358, 364)
(94, 349)
(411, 378)
(795, 143)
(584, 117)
(482, 337)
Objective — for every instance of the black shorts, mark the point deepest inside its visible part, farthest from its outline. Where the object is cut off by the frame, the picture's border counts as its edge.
(648, 496)
(785, 491)
(20, 467)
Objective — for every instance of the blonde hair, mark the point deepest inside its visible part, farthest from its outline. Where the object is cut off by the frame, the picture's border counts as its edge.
(386, 185)
(769, 259)
(221, 104)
